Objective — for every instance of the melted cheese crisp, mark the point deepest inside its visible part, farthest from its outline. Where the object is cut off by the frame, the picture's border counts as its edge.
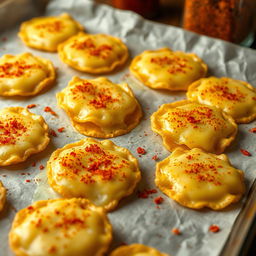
(60, 227)
(196, 179)
(25, 74)
(93, 53)
(136, 250)
(97, 170)
(165, 69)
(2, 196)
(237, 98)
(99, 108)
(21, 135)
(193, 125)
(46, 33)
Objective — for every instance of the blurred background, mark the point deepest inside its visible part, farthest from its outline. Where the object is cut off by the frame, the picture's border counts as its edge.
(230, 20)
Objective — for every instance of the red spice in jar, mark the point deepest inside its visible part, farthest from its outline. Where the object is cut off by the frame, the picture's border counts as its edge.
(253, 130)
(225, 19)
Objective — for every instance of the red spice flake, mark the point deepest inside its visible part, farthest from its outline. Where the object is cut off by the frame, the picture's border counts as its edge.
(253, 130)
(28, 180)
(141, 151)
(146, 192)
(48, 109)
(102, 100)
(73, 154)
(53, 133)
(155, 157)
(189, 157)
(30, 207)
(214, 228)
(33, 164)
(31, 106)
(41, 167)
(52, 27)
(158, 200)
(12, 129)
(61, 129)
(94, 148)
(176, 231)
(245, 152)
(15, 69)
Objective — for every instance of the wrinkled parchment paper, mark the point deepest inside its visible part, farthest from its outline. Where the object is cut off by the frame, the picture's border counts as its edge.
(135, 220)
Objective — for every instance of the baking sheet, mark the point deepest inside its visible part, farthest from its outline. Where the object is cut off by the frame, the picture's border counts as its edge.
(136, 220)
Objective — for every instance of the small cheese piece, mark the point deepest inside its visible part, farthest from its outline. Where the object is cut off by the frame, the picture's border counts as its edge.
(100, 108)
(2, 196)
(136, 250)
(97, 170)
(60, 227)
(193, 125)
(236, 98)
(166, 69)
(46, 33)
(94, 54)
(25, 74)
(21, 135)
(196, 179)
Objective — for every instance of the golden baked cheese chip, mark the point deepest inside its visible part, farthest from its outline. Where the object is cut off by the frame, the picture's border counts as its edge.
(236, 98)
(25, 74)
(21, 135)
(96, 170)
(100, 108)
(60, 227)
(94, 54)
(166, 69)
(46, 33)
(193, 125)
(136, 250)
(197, 179)
(2, 196)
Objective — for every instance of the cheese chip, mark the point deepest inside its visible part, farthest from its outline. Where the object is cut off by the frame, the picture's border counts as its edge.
(46, 33)
(25, 74)
(21, 135)
(166, 69)
(60, 227)
(236, 98)
(193, 125)
(197, 179)
(97, 170)
(136, 250)
(2, 196)
(100, 108)
(94, 54)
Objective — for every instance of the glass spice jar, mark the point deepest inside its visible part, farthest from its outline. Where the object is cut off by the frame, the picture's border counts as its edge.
(146, 8)
(230, 20)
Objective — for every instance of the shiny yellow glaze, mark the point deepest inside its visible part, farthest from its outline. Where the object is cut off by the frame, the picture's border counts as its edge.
(28, 136)
(104, 177)
(46, 33)
(236, 98)
(136, 250)
(193, 125)
(100, 108)
(25, 74)
(97, 53)
(197, 179)
(166, 69)
(61, 227)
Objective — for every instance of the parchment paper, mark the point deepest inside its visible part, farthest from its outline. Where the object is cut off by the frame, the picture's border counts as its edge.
(135, 220)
